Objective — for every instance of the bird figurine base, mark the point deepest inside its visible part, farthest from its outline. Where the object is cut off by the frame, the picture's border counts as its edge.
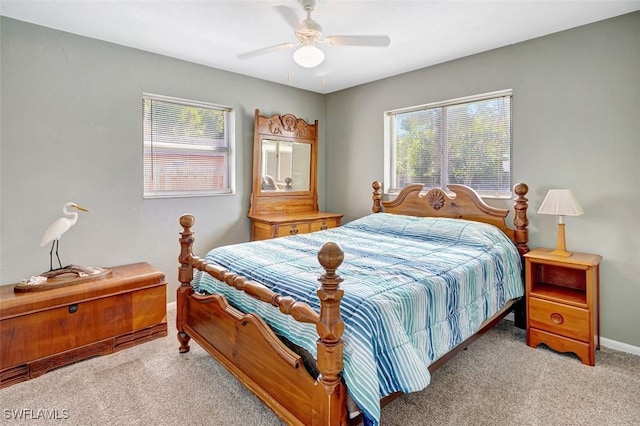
(66, 276)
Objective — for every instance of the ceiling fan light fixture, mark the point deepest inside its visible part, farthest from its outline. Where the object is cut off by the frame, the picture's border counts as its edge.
(308, 56)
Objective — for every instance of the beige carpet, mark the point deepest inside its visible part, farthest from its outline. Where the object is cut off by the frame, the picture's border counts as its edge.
(497, 381)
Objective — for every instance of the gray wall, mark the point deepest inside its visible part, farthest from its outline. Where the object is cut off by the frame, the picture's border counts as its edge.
(72, 130)
(576, 124)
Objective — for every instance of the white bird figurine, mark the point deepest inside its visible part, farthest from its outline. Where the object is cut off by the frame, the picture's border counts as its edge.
(59, 227)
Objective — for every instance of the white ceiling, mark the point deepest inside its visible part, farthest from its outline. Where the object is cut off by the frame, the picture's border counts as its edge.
(214, 32)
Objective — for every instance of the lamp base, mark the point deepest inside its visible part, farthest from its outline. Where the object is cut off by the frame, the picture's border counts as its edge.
(561, 253)
(560, 245)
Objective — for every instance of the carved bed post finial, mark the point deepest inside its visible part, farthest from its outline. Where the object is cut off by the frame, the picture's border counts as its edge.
(330, 391)
(520, 221)
(185, 276)
(377, 197)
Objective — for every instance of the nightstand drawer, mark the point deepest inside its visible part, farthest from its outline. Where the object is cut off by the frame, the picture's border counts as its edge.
(561, 319)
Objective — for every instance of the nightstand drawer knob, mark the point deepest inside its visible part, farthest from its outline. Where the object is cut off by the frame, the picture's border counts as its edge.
(557, 318)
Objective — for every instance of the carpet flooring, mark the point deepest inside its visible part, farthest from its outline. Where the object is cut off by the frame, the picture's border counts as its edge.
(498, 380)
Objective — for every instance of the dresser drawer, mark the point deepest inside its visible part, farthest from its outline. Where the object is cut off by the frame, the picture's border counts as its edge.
(293, 229)
(321, 225)
(561, 319)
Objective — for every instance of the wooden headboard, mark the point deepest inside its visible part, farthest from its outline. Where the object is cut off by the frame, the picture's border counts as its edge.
(465, 204)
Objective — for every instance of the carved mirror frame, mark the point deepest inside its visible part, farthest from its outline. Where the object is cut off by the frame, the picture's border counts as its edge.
(283, 128)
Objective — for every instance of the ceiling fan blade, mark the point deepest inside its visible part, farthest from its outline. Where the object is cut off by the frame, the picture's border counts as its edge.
(265, 50)
(289, 15)
(358, 40)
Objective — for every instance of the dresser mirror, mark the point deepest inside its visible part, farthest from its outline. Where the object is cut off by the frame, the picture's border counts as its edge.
(285, 165)
(284, 200)
(285, 150)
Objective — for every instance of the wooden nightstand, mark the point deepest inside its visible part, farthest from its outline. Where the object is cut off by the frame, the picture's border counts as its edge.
(562, 295)
(43, 330)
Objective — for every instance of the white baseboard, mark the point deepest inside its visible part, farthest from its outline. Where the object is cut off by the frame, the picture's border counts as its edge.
(611, 344)
(619, 346)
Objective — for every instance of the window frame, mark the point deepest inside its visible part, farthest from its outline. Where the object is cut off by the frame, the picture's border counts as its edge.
(389, 142)
(229, 150)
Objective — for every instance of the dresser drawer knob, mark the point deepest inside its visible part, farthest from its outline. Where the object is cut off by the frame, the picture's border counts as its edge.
(324, 226)
(294, 230)
(557, 318)
(73, 308)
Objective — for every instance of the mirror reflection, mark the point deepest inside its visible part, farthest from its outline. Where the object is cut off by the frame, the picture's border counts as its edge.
(285, 166)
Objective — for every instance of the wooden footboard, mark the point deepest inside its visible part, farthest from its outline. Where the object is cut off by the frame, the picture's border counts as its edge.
(250, 350)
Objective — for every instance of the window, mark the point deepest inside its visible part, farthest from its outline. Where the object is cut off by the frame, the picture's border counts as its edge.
(464, 141)
(188, 148)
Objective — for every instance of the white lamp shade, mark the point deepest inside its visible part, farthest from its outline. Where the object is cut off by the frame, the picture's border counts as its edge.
(561, 202)
(308, 56)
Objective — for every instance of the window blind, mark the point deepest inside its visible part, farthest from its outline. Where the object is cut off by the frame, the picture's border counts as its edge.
(187, 148)
(465, 141)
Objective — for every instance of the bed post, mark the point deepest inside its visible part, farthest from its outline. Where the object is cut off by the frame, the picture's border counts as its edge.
(377, 197)
(329, 397)
(520, 221)
(521, 238)
(185, 276)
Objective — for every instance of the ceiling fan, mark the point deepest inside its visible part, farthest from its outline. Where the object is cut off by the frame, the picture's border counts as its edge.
(309, 33)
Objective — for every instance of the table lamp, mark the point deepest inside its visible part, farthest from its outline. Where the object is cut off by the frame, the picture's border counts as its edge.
(561, 202)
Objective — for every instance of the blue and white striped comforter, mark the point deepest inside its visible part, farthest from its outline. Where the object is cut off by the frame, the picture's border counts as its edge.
(413, 289)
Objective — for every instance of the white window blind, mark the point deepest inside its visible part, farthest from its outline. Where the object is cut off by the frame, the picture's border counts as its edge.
(187, 148)
(465, 141)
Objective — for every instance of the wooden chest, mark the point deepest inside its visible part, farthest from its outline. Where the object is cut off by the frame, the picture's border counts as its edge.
(43, 330)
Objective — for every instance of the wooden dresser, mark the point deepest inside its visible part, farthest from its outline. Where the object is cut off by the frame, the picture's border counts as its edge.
(268, 226)
(284, 200)
(43, 330)
(563, 302)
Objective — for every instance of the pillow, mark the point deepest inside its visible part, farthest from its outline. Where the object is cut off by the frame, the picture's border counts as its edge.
(433, 229)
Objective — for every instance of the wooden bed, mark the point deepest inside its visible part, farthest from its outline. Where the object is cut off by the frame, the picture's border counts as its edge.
(252, 352)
